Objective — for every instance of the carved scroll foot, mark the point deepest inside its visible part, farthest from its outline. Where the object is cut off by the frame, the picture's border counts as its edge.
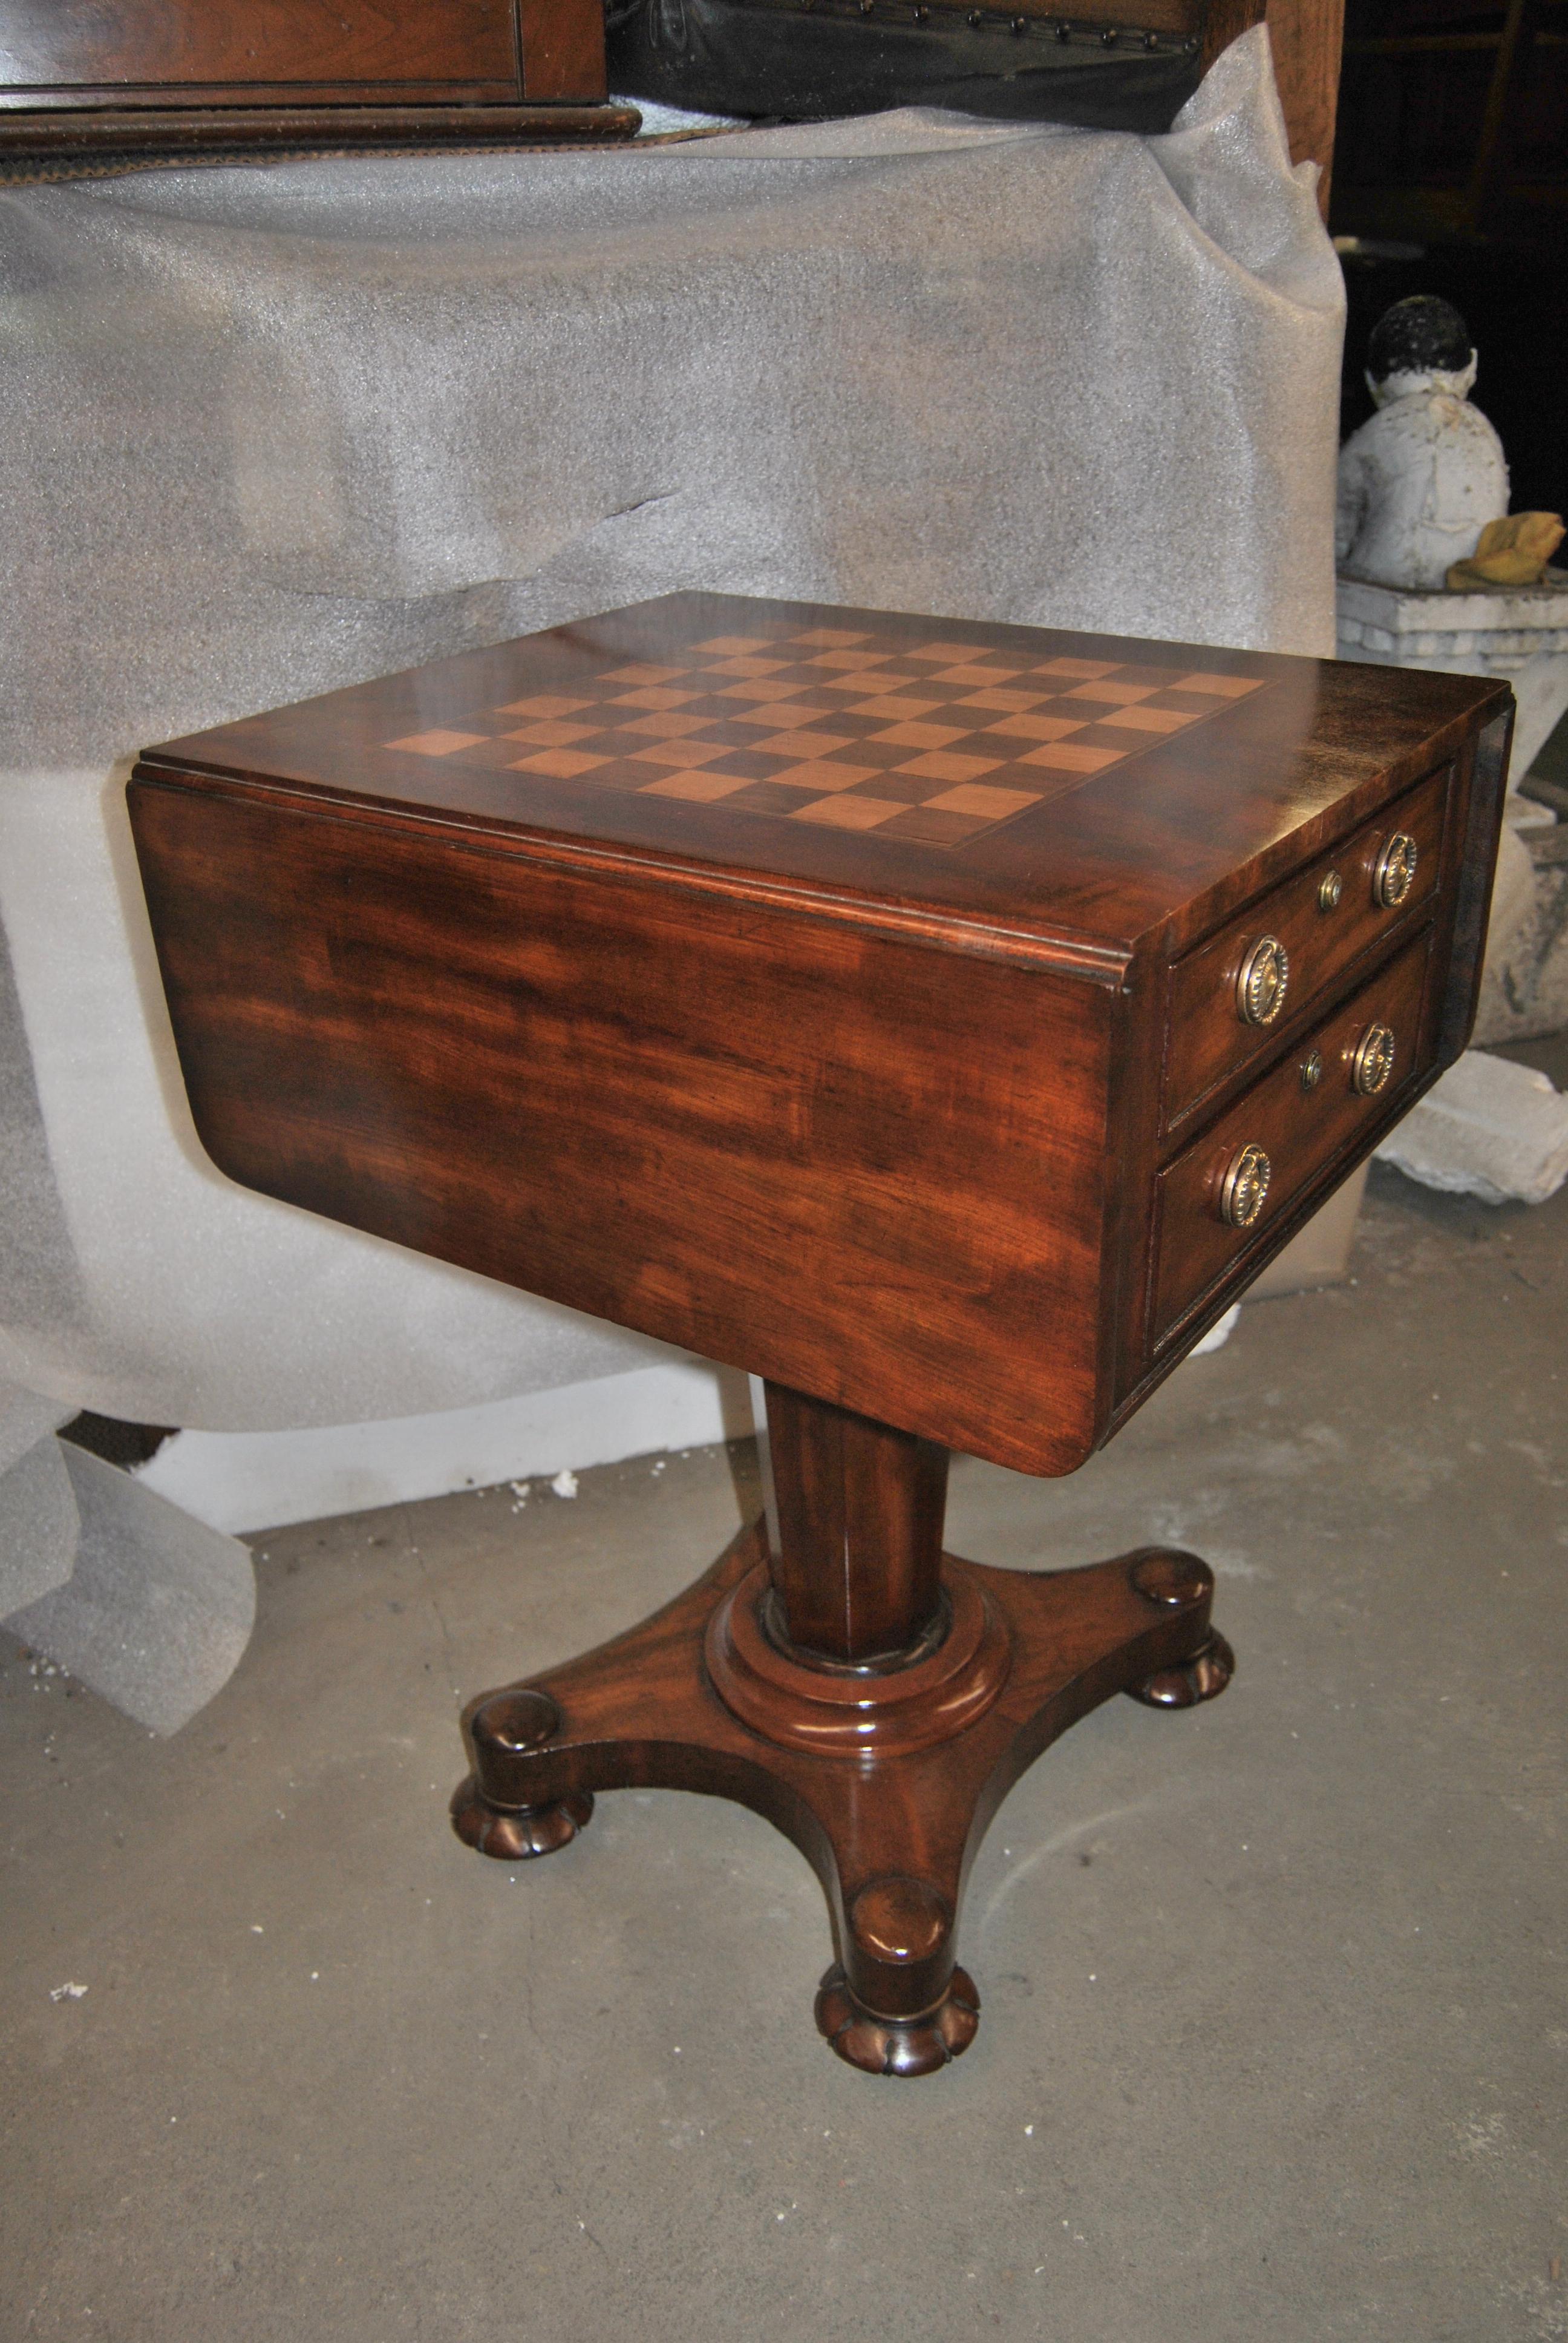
(1202, 1677)
(515, 1724)
(898, 2046)
(1180, 1581)
(514, 1834)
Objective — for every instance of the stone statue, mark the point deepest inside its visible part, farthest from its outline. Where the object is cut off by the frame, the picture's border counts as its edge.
(1435, 572)
(1421, 480)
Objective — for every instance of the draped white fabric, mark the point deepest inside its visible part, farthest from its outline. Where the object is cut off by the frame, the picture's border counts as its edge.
(272, 430)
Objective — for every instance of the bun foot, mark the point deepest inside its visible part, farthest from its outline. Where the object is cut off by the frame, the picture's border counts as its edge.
(1202, 1677)
(898, 2046)
(513, 1835)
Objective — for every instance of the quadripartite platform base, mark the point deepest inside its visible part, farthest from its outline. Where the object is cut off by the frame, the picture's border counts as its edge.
(885, 1778)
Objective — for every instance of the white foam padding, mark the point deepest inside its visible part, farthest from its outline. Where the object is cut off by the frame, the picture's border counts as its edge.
(158, 1610)
(1488, 1128)
(276, 429)
(38, 1522)
(39, 1526)
(24, 1417)
(255, 1480)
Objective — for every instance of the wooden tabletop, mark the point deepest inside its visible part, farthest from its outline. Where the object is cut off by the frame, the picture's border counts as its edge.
(1075, 787)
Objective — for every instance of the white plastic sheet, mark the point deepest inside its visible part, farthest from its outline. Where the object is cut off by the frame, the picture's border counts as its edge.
(272, 430)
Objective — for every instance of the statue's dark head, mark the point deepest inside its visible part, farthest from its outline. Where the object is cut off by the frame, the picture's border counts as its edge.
(1420, 336)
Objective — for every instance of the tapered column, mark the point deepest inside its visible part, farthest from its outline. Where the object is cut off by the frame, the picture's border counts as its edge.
(855, 1533)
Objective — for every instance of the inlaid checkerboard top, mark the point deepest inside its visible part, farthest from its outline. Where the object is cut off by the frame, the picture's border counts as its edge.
(932, 742)
(1085, 788)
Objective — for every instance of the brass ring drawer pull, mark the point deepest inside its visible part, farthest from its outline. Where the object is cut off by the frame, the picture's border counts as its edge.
(1394, 873)
(1372, 1061)
(1260, 982)
(1244, 1187)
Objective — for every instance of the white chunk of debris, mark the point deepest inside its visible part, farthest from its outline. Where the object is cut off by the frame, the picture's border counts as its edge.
(565, 1483)
(1488, 1128)
(1219, 1333)
(67, 1992)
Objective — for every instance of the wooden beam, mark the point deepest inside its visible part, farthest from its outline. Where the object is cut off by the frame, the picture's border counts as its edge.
(1307, 36)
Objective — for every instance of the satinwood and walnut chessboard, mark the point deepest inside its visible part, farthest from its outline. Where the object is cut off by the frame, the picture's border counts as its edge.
(943, 1020)
(932, 742)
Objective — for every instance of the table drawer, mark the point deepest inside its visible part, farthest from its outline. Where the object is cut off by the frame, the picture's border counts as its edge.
(1223, 1009)
(1314, 1103)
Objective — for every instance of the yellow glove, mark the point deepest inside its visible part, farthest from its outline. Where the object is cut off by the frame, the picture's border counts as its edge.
(1511, 552)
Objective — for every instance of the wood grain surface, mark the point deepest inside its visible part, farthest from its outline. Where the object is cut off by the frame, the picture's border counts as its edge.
(857, 1564)
(775, 1139)
(288, 59)
(1174, 831)
(196, 44)
(561, 46)
(878, 1116)
(77, 133)
(1308, 37)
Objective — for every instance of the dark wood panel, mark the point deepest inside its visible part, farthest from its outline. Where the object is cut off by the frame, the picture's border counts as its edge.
(195, 44)
(1483, 780)
(786, 1145)
(855, 1532)
(1457, 942)
(562, 49)
(1225, 21)
(121, 103)
(285, 129)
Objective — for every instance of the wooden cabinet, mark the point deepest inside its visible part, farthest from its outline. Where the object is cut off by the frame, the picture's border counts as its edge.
(109, 75)
(203, 52)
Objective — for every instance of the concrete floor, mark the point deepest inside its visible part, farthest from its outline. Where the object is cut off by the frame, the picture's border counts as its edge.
(1275, 2038)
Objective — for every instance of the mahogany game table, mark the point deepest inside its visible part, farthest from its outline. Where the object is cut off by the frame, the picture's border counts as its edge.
(943, 1020)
